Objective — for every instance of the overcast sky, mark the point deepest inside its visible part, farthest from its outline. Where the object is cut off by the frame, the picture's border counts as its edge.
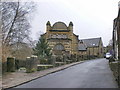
(91, 18)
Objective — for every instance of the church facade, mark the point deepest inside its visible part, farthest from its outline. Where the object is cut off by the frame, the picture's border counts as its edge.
(61, 38)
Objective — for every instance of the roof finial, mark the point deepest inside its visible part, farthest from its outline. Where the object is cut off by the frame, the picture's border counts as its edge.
(70, 24)
(48, 23)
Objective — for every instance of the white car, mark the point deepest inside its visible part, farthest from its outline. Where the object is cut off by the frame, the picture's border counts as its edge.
(108, 55)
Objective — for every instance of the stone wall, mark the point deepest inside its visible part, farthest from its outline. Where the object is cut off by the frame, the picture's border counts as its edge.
(115, 67)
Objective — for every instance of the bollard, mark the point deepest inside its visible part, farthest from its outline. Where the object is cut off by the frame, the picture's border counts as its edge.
(53, 60)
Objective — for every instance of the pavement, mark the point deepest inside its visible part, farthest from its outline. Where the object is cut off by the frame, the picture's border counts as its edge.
(90, 74)
(13, 79)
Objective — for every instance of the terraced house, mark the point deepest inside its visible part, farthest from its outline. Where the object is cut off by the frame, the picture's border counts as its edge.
(116, 35)
(61, 40)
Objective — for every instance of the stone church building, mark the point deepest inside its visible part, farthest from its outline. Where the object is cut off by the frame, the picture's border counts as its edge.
(61, 39)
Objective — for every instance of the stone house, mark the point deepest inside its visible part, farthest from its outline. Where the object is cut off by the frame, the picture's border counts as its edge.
(115, 39)
(118, 25)
(94, 47)
(116, 35)
(105, 50)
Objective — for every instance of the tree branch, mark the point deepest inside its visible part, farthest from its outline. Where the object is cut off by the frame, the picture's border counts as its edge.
(10, 30)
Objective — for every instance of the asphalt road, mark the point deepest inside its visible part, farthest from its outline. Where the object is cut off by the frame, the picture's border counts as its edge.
(90, 74)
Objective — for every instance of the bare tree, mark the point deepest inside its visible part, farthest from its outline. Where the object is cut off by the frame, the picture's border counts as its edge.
(15, 24)
(110, 42)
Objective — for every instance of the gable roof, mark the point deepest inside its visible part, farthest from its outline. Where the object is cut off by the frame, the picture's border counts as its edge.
(92, 42)
(82, 47)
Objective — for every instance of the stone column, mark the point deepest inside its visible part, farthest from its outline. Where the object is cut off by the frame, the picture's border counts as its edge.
(10, 64)
(53, 60)
(35, 61)
(31, 64)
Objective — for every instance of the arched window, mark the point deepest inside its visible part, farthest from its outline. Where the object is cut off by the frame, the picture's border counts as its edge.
(59, 47)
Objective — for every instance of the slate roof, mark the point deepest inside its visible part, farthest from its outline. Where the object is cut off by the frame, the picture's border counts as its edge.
(92, 42)
(82, 47)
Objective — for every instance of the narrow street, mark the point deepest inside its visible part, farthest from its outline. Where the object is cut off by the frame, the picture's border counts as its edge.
(90, 74)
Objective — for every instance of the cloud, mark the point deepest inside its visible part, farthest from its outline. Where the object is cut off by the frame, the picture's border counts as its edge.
(91, 18)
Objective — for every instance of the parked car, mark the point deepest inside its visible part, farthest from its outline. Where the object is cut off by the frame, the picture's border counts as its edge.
(108, 56)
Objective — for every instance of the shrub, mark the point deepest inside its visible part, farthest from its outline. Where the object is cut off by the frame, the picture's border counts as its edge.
(30, 70)
(43, 61)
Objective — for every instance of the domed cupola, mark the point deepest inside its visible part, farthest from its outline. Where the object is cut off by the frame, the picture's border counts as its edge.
(59, 26)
